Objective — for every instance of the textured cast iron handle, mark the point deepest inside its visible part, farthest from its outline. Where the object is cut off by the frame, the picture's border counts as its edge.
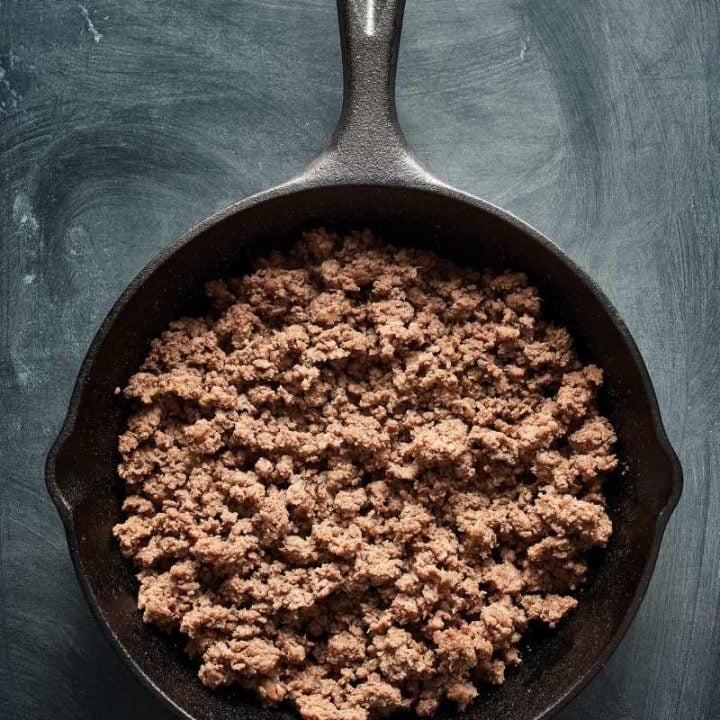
(368, 144)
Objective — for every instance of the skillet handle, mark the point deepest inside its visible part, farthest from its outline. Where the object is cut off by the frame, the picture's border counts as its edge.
(368, 145)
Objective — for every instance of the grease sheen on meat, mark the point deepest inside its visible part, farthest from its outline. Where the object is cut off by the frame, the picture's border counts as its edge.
(357, 480)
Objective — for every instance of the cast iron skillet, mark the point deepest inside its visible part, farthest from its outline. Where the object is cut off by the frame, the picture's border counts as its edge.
(367, 178)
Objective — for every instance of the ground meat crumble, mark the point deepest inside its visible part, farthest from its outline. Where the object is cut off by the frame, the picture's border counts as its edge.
(356, 481)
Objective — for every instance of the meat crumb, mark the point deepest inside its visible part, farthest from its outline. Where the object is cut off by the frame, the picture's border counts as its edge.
(355, 482)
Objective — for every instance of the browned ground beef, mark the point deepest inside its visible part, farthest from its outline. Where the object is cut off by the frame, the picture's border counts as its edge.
(355, 482)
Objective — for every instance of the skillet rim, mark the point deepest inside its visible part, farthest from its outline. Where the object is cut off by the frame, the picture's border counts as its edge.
(304, 183)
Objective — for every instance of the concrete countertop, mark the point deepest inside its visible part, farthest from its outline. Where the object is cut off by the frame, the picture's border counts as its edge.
(124, 123)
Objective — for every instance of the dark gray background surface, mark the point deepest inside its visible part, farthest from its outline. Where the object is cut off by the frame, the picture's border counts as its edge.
(122, 123)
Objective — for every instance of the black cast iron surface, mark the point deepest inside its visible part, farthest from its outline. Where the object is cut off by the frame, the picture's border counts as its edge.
(77, 172)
